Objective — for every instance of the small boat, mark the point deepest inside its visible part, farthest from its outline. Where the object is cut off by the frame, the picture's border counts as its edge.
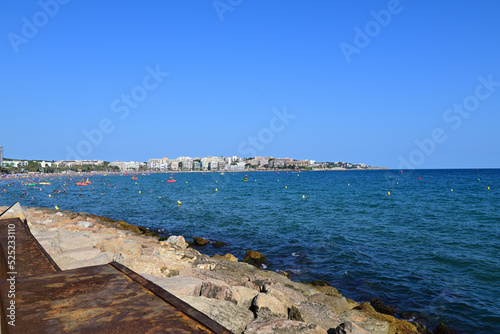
(222, 173)
(171, 181)
(134, 177)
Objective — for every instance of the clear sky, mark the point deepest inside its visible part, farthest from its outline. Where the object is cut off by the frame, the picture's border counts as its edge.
(411, 84)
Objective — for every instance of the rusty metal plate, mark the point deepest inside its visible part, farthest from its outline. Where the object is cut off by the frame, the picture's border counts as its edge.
(30, 257)
(100, 299)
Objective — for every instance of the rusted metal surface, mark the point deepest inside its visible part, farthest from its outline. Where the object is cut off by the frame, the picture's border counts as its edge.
(29, 257)
(100, 299)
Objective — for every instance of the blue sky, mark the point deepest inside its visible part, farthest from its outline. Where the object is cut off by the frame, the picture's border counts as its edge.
(371, 82)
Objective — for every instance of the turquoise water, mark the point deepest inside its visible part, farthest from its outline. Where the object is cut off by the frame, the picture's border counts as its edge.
(423, 249)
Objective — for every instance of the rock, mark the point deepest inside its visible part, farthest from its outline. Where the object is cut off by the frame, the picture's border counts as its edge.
(284, 273)
(395, 325)
(421, 328)
(219, 244)
(282, 326)
(217, 289)
(122, 246)
(200, 241)
(268, 307)
(365, 307)
(244, 296)
(177, 240)
(363, 320)
(233, 317)
(254, 258)
(380, 307)
(68, 240)
(207, 274)
(329, 291)
(349, 327)
(318, 282)
(85, 224)
(443, 329)
(305, 289)
(227, 257)
(315, 313)
(339, 305)
(285, 295)
(352, 304)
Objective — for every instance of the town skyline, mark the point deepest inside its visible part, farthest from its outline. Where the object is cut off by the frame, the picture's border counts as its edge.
(185, 163)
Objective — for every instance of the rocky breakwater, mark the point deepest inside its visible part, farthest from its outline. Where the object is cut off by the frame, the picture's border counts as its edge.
(238, 295)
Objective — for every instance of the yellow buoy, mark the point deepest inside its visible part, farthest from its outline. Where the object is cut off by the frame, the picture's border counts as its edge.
(255, 180)
(179, 203)
(50, 195)
(286, 187)
(215, 189)
(216, 181)
(186, 181)
(451, 189)
(303, 196)
(348, 184)
(488, 188)
(56, 207)
(139, 191)
(389, 193)
(278, 180)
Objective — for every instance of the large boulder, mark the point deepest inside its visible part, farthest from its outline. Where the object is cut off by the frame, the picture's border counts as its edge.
(254, 258)
(121, 246)
(233, 317)
(212, 288)
(315, 313)
(200, 241)
(380, 307)
(204, 274)
(177, 240)
(366, 322)
(337, 304)
(268, 307)
(227, 257)
(328, 290)
(244, 296)
(349, 327)
(282, 326)
(287, 296)
(68, 240)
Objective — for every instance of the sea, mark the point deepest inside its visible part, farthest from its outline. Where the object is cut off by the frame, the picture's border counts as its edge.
(424, 241)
